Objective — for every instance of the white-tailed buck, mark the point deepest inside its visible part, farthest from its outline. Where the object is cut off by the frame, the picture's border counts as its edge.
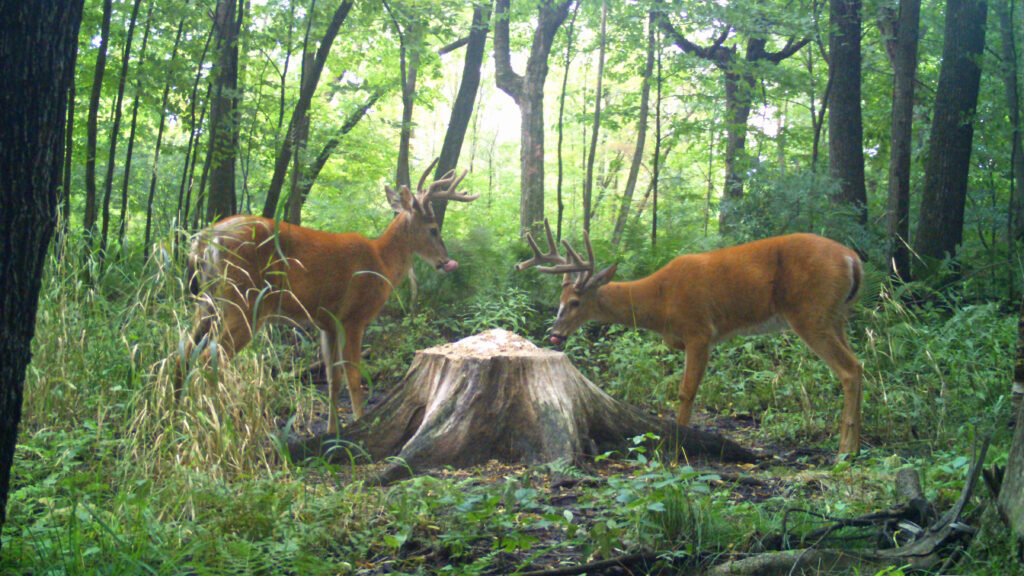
(247, 270)
(801, 280)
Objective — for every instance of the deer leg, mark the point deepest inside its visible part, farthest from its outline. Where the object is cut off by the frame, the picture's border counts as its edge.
(829, 343)
(330, 347)
(696, 364)
(353, 346)
(201, 326)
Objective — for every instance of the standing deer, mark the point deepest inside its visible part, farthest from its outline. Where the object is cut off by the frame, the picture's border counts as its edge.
(801, 280)
(247, 270)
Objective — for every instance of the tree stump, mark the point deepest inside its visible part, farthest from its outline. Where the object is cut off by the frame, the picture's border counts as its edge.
(497, 396)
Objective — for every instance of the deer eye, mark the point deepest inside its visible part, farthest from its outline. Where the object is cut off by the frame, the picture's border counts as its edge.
(433, 232)
(574, 304)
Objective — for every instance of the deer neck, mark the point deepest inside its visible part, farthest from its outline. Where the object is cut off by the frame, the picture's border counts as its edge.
(628, 303)
(394, 248)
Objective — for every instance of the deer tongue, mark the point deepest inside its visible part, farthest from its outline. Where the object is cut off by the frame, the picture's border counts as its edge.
(450, 265)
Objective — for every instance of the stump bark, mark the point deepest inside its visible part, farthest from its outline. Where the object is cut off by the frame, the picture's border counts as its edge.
(497, 396)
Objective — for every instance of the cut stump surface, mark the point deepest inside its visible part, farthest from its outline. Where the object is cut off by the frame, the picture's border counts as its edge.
(496, 396)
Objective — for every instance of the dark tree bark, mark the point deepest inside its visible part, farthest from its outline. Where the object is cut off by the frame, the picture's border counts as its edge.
(497, 396)
(306, 92)
(739, 86)
(1011, 75)
(595, 128)
(159, 141)
(224, 128)
(940, 227)
(641, 138)
(462, 108)
(92, 127)
(902, 48)
(38, 40)
(845, 128)
(570, 34)
(528, 92)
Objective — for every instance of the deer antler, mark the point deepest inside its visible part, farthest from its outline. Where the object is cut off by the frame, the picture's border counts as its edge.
(562, 264)
(443, 189)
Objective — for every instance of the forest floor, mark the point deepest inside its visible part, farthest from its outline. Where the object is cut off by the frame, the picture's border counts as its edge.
(782, 473)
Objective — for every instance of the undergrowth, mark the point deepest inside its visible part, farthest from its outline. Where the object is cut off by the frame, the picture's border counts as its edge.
(114, 477)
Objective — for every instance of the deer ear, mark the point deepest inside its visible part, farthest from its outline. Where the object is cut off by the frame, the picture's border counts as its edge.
(601, 278)
(394, 199)
(408, 202)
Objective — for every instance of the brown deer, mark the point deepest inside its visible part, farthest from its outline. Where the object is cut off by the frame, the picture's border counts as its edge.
(802, 281)
(247, 270)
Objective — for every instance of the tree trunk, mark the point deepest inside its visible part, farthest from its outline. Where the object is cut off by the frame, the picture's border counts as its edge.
(845, 129)
(497, 396)
(409, 34)
(129, 152)
(1011, 495)
(115, 130)
(194, 128)
(221, 200)
(92, 127)
(528, 92)
(641, 137)
(300, 141)
(462, 108)
(37, 57)
(561, 119)
(306, 92)
(1011, 73)
(595, 128)
(739, 84)
(159, 141)
(940, 227)
(904, 66)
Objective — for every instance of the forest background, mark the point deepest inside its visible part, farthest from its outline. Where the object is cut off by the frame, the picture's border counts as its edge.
(659, 127)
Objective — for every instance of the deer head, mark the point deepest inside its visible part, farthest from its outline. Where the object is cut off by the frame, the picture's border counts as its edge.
(578, 302)
(424, 230)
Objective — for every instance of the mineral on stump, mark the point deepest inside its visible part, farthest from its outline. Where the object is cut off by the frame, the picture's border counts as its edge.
(497, 396)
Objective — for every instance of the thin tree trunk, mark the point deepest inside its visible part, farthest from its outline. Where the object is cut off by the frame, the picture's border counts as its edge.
(845, 129)
(462, 108)
(37, 56)
(595, 128)
(1011, 74)
(293, 206)
(159, 141)
(69, 148)
(194, 130)
(408, 66)
(641, 137)
(92, 127)
(561, 117)
(656, 171)
(904, 65)
(115, 130)
(122, 226)
(940, 226)
(306, 92)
